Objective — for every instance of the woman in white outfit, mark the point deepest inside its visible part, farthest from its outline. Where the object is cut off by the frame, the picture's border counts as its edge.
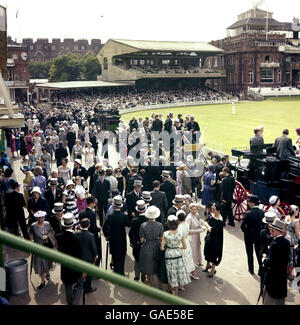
(89, 156)
(187, 253)
(37, 143)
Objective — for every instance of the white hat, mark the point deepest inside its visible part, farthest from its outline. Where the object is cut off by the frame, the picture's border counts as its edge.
(273, 199)
(118, 201)
(269, 217)
(152, 213)
(40, 214)
(172, 218)
(78, 161)
(67, 220)
(36, 189)
(70, 183)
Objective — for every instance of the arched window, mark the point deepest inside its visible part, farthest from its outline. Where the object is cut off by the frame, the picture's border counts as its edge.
(105, 64)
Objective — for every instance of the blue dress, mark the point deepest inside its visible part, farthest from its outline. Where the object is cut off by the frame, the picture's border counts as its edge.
(207, 195)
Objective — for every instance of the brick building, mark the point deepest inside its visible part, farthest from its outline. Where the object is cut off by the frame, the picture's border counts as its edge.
(16, 75)
(260, 52)
(43, 50)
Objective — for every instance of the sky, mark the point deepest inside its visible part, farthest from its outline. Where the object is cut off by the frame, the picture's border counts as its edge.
(173, 20)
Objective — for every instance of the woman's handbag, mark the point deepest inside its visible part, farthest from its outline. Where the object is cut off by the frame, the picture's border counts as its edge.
(207, 238)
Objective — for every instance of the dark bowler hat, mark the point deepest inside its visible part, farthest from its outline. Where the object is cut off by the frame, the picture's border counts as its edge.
(13, 184)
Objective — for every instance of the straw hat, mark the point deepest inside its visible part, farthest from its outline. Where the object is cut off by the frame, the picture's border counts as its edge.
(146, 196)
(140, 206)
(118, 202)
(278, 225)
(179, 199)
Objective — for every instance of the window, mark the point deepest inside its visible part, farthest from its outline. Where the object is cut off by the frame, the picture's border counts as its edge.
(105, 64)
(17, 77)
(279, 76)
(266, 76)
(165, 62)
(31, 47)
(82, 48)
(251, 77)
(76, 47)
(53, 47)
(267, 59)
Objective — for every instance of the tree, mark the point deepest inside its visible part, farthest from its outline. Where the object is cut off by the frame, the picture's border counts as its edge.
(67, 67)
(92, 67)
(40, 70)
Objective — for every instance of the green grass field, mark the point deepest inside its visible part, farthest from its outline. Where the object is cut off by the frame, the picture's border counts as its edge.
(223, 131)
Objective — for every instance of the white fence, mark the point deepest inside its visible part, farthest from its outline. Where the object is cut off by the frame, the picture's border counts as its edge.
(178, 104)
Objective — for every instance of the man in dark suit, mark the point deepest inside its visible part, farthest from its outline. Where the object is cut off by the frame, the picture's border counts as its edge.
(70, 245)
(71, 138)
(15, 204)
(251, 227)
(168, 125)
(60, 153)
(159, 199)
(284, 147)
(226, 196)
(133, 197)
(102, 194)
(56, 217)
(79, 170)
(157, 125)
(88, 250)
(168, 187)
(90, 214)
(256, 140)
(194, 128)
(178, 203)
(131, 178)
(53, 195)
(93, 173)
(114, 230)
(134, 236)
(276, 263)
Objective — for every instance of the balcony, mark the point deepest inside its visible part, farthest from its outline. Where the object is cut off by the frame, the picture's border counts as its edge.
(270, 65)
(293, 65)
(16, 83)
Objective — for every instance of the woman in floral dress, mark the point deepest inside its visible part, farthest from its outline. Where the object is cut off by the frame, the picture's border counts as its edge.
(187, 253)
(174, 241)
(29, 141)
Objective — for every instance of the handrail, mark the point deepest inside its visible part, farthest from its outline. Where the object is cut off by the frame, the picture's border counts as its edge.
(90, 269)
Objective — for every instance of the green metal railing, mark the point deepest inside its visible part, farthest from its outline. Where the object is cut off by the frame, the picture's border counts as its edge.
(90, 269)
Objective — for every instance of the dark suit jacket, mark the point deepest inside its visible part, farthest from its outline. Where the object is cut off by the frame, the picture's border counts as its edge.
(114, 228)
(90, 173)
(227, 188)
(134, 235)
(168, 125)
(91, 215)
(130, 182)
(88, 245)
(170, 191)
(172, 211)
(81, 173)
(102, 190)
(195, 126)
(131, 200)
(257, 140)
(252, 224)
(159, 199)
(15, 204)
(50, 198)
(70, 245)
(276, 265)
(157, 125)
(284, 148)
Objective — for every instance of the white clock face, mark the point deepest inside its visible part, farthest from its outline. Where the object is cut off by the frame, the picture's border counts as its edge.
(24, 56)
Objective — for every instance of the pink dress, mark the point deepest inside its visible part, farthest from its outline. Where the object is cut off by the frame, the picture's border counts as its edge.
(13, 143)
(196, 227)
(29, 143)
